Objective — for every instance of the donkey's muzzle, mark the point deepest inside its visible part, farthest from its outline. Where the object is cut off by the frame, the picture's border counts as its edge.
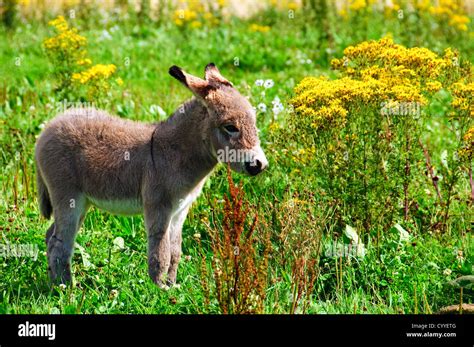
(254, 168)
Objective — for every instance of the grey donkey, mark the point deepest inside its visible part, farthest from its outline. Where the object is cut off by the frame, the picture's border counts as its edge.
(86, 157)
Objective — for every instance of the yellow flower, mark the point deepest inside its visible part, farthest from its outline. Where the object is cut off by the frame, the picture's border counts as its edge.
(463, 97)
(433, 86)
(452, 12)
(259, 28)
(459, 21)
(208, 16)
(467, 150)
(59, 23)
(67, 42)
(194, 14)
(76, 76)
(183, 16)
(85, 61)
(293, 5)
(119, 81)
(96, 72)
(195, 24)
(284, 4)
(357, 5)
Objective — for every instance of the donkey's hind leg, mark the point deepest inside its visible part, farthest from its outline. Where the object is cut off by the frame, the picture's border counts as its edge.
(68, 216)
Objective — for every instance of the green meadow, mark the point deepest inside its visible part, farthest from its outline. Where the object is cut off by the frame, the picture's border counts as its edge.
(380, 224)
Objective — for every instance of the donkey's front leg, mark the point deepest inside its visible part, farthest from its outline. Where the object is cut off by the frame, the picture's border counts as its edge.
(176, 228)
(157, 222)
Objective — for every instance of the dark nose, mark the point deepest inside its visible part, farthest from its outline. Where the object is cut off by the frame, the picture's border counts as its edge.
(254, 167)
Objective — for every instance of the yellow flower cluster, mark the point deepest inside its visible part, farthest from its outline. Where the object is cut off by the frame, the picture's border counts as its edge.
(304, 155)
(451, 11)
(375, 72)
(67, 51)
(420, 62)
(285, 4)
(259, 28)
(184, 16)
(467, 151)
(67, 43)
(356, 5)
(327, 102)
(99, 71)
(463, 98)
(193, 14)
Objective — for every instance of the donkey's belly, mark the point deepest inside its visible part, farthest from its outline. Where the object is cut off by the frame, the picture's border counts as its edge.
(123, 206)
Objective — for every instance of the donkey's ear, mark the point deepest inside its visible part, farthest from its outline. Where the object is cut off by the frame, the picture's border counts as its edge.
(198, 86)
(213, 75)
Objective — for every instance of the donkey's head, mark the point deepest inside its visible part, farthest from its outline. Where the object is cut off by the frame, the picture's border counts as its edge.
(231, 122)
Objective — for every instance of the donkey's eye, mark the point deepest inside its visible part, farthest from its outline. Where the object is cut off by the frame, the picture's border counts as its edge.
(231, 129)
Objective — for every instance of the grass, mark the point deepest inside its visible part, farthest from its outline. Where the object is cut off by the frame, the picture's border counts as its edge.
(394, 276)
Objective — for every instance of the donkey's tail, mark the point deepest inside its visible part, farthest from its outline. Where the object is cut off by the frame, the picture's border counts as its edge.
(43, 197)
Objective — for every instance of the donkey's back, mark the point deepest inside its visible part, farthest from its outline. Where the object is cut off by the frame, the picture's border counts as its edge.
(89, 151)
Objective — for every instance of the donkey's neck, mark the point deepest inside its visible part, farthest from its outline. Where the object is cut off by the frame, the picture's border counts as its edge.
(186, 134)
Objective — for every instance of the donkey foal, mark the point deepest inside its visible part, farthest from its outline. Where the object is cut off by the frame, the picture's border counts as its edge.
(86, 157)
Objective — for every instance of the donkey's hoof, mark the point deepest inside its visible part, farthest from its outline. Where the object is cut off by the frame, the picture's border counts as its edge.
(163, 286)
(174, 285)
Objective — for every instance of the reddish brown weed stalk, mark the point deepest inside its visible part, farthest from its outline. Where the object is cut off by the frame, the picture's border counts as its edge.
(239, 271)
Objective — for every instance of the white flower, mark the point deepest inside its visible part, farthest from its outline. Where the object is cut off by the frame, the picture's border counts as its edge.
(262, 107)
(276, 111)
(62, 286)
(118, 244)
(447, 272)
(259, 83)
(268, 84)
(54, 310)
(277, 106)
(105, 35)
(113, 293)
